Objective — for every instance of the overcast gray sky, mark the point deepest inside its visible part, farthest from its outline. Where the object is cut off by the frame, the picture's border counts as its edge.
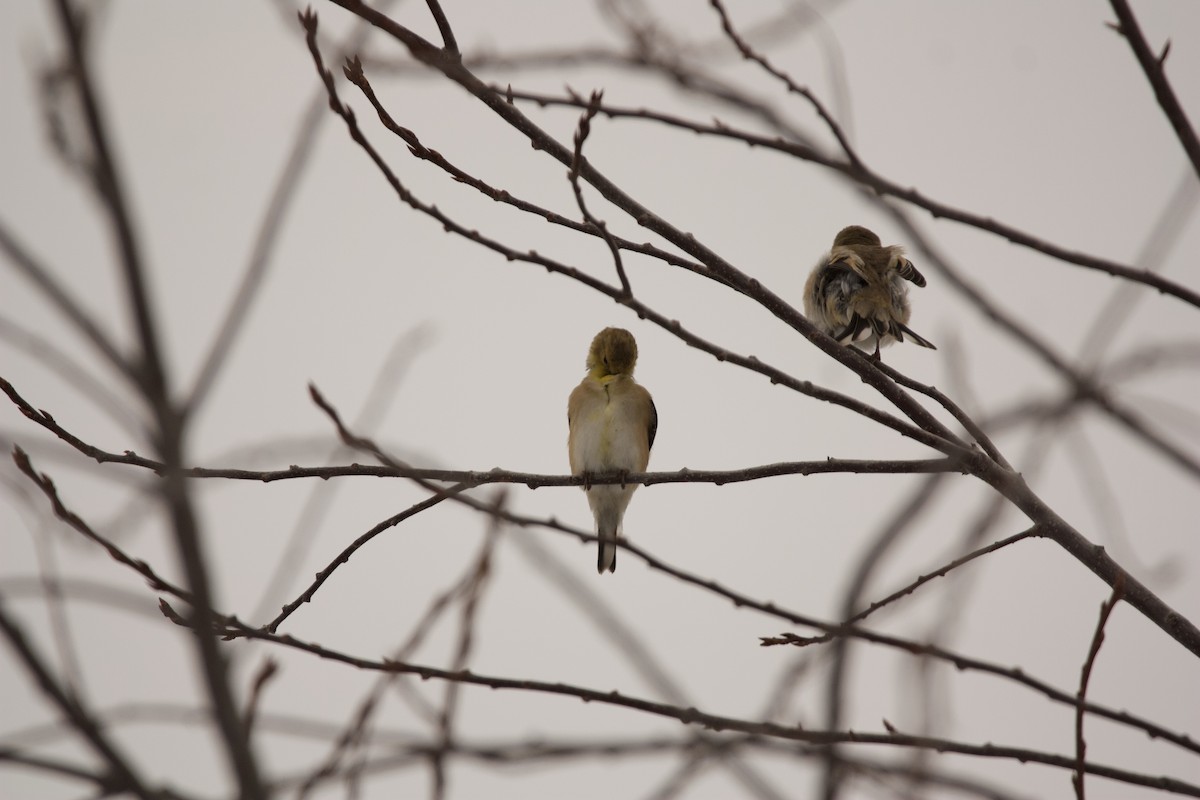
(1033, 113)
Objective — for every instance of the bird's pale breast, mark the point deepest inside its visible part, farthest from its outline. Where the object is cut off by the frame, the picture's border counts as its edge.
(605, 429)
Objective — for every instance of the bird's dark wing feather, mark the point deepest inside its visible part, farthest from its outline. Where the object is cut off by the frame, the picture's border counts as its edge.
(911, 273)
(653, 429)
(855, 329)
(921, 340)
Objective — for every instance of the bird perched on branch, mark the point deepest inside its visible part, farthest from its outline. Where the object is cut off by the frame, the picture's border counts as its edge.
(612, 423)
(857, 294)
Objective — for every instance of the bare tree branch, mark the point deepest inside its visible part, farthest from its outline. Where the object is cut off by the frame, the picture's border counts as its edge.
(1010, 485)
(121, 774)
(751, 55)
(901, 522)
(263, 249)
(1003, 480)
(40, 276)
(152, 378)
(687, 242)
(1153, 67)
(887, 187)
(1106, 610)
(692, 716)
(395, 726)
(391, 522)
(43, 482)
(581, 133)
(477, 582)
(474, 478)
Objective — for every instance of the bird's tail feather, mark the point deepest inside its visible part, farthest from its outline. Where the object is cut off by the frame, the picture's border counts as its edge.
(916, 338)
(606, 557)
(608, 528)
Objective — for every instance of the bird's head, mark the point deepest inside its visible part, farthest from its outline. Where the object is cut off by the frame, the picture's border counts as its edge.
(856, 234)
(613, 352)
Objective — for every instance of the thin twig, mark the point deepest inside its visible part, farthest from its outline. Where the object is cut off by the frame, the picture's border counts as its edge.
(969, 425)
(40, 276)
(1153, 67)
(902, 521)
(531, 752)
(477, 582)
(43, 482)
(751, 55)
(1085, 385)
(581, 134)
(942, 572)
(344, 556)
(357, 731)
(169, 421)
(596, 608)
(1005, 481)
(268, 670)
(1085, 676)
(740, 600)
(73, 373)
(443, 24)
(717, 722)
(931, 431)
(103, 783)
(122, 778)
(887, 187)
(261, 252)
(353, 70)
(473, 478)
(776, 305)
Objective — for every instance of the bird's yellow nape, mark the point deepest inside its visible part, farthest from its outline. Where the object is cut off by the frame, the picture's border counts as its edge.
(613, 352)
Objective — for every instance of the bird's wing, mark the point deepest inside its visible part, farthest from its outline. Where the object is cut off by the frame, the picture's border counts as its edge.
(575, 419)
(844, 259)
(652, 428)
(858, 327)
(916, 337)
(902, 265)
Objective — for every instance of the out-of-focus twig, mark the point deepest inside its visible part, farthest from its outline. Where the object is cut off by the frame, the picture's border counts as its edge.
(884, 186)
(40, 276)
(717, 722)
(170, 422)
(582, 130)
(901, 522)
(121, 775)
(1106, 610)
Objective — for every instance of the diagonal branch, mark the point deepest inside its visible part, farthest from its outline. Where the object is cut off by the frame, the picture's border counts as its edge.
(1003, 480)
(43, 482)
(111, 188)
(170, 422)
(122, 776)
(715, 722)
(740, 600)
(344, 556)
(751, 55)
(439, 16)
(40, 276)
(884, 186)
(261, 252)
(1153, 67)
(1106, 610)
(499, 103)
(581, 133)
(1085, 386)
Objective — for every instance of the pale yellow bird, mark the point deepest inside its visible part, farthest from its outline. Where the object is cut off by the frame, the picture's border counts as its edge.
(857, 294)
(612, 422)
